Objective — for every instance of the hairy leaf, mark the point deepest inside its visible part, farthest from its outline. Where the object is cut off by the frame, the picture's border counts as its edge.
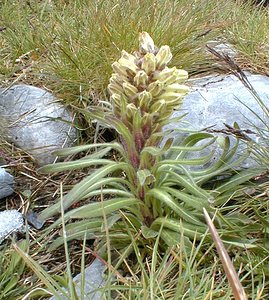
(78, 149)
(93, 210)
(81, 189)
(180, 227)
(175, 207)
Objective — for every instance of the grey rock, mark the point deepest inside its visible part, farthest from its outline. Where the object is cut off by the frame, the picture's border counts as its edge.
(6, 183)
(223, 48)
(224, 99)
(94, 279)
(35, 121)
(215, 100)
(10, 221)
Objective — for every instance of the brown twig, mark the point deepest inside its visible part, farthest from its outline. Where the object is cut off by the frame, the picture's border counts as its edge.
(233, 278)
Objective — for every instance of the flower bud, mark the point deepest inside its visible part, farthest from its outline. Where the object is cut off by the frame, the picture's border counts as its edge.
(144, 99)
(167, 96)
(115, 88)
(177, 88)
(119, 69)
(158, 106)
(164, 74)
(155, 88)
(129, 89)
(130, 111)
(182, 75)
(116, 102)
(146, 43)
(128, 65)
(163, 56)
(126, 55)
(149, 63)
(141, 78)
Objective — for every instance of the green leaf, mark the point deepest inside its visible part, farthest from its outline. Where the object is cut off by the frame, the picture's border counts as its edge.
(80, 189)
(80, 235)
(217, 168)
(13, 281)
(190, 200)
(98, 154)
(172, 238)
(109, 120)
(94, 210)
(118, 183)
(191, 140)
(188, 183)
(137, 120)
(184, 161)
(63, 280)
(78, 226)
(168, 200)
(46, 279)
(179, 226)
(78, 149)
(111, 220)
(16, 264)
(192, 148)
(240, 242)
(156, 151)
(109, 191)
(148, 233)
(132, 219)
(145, 177)
(74, 165)
(238, 179)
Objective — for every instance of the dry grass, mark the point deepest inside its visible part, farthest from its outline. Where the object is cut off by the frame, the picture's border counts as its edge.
(37, 191)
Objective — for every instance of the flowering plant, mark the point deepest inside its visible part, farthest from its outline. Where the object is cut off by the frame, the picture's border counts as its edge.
(150, 189)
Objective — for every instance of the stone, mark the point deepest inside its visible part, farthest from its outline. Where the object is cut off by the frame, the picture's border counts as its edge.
(94, 279)
(223, 99)
(6, 183)
(223, 48)
(10, 221)
(35, 121)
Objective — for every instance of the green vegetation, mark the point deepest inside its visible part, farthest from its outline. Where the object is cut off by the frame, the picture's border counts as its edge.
(147, 217)
(68, 46)
(13, 273)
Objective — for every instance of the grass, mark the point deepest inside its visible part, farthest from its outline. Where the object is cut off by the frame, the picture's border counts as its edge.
(12, 270)
(67, 47)
(250, 36)
(73, 55)
(47, 46)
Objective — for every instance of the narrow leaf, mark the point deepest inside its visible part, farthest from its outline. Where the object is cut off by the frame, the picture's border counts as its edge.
(73, 165)
(148, 233)
(94, 210)
(188, 183)
(78, 149)
(238, 179)
(173, 238)
(190, 200)
(80, 189)
(179, 226)
(168, 200)
(186, 161)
